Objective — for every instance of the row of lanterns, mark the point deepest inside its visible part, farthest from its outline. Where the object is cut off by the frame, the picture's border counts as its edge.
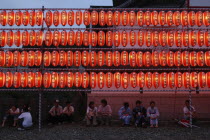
(109, 38)
(93, 58)
(103, 18)
(92, 80)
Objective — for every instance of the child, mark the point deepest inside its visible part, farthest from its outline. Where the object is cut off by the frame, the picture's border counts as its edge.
(12, 113)
(125, 114)
(91, 114)
(139, 114)
(153, 114)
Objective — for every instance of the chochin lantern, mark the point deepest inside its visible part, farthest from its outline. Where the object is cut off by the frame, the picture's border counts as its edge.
(155, 38)
(141, 79)
(178, 79)
(38, 79)
(102, 18)
(185, 38)
(186, 79)
(11, 18)
(49, 18)
(70, 58)
(117, 79)
(3, 17)
(71, 18)
(24, 79)
(200, 38)
(93, 79)
(9, 59)
(93, 38)
(109, 38)
(125, 18)
(124, 58)
(133, 79)
(201, 79)
(47, 58)
(62, 58)
(199, 18)
(207, 58)
(2, 79)
(109, 18)
(154, 18)
(63, 39)
(18, 18)
(132, 58)
(192, 38)
(71, 38)
(101, 58)
(85, 58)
(86, 38)
(156, 79)
(163, 58)
(148, 37)
(39, 38)
(47, 79)
(140, 38)
(77, 79)
(170, 58)
(48, 38)
(140, 18)
(85, 79)
(55, 58)
(2, 58)
(77, 58)
(31, 79)
(206, 18)
(78, 38)
(147, 59)
(184, 18)
(200, 58)
(171, 79)
(62, 80)
(155, 58)
(163, 38)
(207, 38)
(56, 18)
(25, 19)
(31, 59)
(193, 79)
(78, 17)
(10, 38)
(125, 80)
(16, 79)
(39, 18)
(101, 79)
(93, 58)
(101, 38)
(116, 38)
(24, 58)
(208, 79)
(25, 38)
(32, 18)
(170, 38)
(148, 79)
(54, 79)
(147, 18)
(70, 79)
(169, 18)
(177, 18)
(191, 18)
(109, 58)
(139, 59)
(17, 38)
(162, 18)
(56, 38)
(37, 58)
(116, 58)
(32, 38)
(86, 18)
(178, 38)
(193, 58)
(132, 38)
(8, 79)
(63, 18)
(185, 58)
(164, 79)
(94, 17)
(109, 79)
(116, 18)
(3, 38)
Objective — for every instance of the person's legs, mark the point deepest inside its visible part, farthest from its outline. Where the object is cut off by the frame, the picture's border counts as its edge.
(15, 120)
(156, 122)
(107, 120)
(51, 119)
(137, 120)
(4, 120)
(94, 120)
(88, 121)
(101, 120)
(127, 120)
(20, 123)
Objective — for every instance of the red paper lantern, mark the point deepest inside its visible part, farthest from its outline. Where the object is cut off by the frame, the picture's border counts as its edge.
(85, 58)
(94, 17)
(124, 58)
(148, 79)
(77, 79)
(24, 58)
(25, 38)
(86, 38)
(207, 38)
(78, 17)
(38, 79)
(117, 79)
(170, 58)
(86, 18)
(9, 58)
(31, 79)
(32, 38)
(125, 80)
(163, 38)
(154, 18)
(101, 79)
(2, 58)
(3, 38)
(2, 79)
(140, 38)
(133, 79)
(85, 79)
(169, 18)
(11, 18)
(78, 38)
(71, 18)
(116, 58)
(101, 38)
(141, 79)
(177, 18)
(163, 58)
(140, 18)
(70, 79)
(116, 38)
(56, 38)
(185, 56)
(63, 39)
(47, 79)
(155, 58)
(39, 38)
(37, 58)
(109, 79)
(48, 38)
(16, 79)
(208, 79)
(171, 79)
(93, 38)
(10, 38)
(16, 56)
(148, 38)
(132, 38)
(109, 16)
(199, 18)
(132, 58)
(170, 38)
(18, 18)
(178, 79)
(62, 80)
(193, 38)
(200, 58)
(56, 18)
(71, 38)
(24, 79)
(178, 38)
(200, 38)
(49, 18)
(32, 18)
(186, 79)
(54, 79)
(116, 18)
(17, 38)
(62, 58)
(70, 58)
(63, 18)
(101, 58)
(147, 59)
(191, 18)
(102, 18)
(132, 18)
(109, 38)
(93, 79)
(185, 38)
(147, 18)
(207, 58)
(109, 58)
(47, 58)
(193, 79)
(139, 59)
(164, 79)
(162, 18)
(184, 18)
(3, 18)
(155, 38)
(9, 79)
(193, 58)
(55, 58)
(77, 58)
(156, 79)
(206, 18)
(39, 17)
(93, 58)
(31, 59)
(201, 79)
(125, 18)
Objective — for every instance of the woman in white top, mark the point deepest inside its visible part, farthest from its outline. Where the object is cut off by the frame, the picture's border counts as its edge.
(12, 113)
(91, 114)
(25, 119)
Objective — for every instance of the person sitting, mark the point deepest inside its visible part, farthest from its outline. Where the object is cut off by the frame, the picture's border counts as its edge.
(91, 115)
(139, 114)
(125, 114)
(68, 112)
(55, 113)
(12, 113)
(104, 113)
(153, 114)
(189, 111)
(25, 119)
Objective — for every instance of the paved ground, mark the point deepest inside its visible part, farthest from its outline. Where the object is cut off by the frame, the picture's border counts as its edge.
(80, 132)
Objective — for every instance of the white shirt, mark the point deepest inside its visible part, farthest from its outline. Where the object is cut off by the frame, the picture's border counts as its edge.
(187, 111)
(27, 119)
(92, 112)
(68, 109)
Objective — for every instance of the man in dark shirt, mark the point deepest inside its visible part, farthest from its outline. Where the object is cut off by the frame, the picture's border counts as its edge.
(139, 114)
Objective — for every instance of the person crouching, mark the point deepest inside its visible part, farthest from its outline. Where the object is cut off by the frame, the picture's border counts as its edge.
(91, 115)
(125, 114)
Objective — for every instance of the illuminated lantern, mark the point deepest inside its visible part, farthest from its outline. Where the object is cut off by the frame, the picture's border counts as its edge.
(17, 38)
(140, 18)
(178, 38)
(62, 80)
(208, 79)
(49, 18)
(155, 38)
(148, 79)
(93, 58)
(141, 79)
(207, 58)
(169, 18)
(71, 38)
(10, 38)
(39, 38)
(2, 79)
(116, 38)
(9, 58)
(93, 38)
(39, 18)
(191, 18)
(117, 79)
(206, 18)
(164, 79)
(62, 58)
(116, 18)
(109, 79)
(86, 18)
(24, 79)
(47, 79)
(177, 18)
(38, 79)
(207, 38)
(77, 79)
(31, 58)
(109, 38)
(85, 58)
(154, 18)
(102, 18)
(193, 58)
(139, 59)
(109, 58)
(147, 59)
(101, 58)
(171, 79)
(101, 79)
(109, 16)
(155, 58)
(56, 18)
(63, 18)
(132, 38)
(156, 79)
(85, 79)
(147, 18)
(56, 38)
(140, 38)
(31, 79)
(101, 38)
(193, 79)
(199, 18)
(3, 18)
(193, 38)
(71, 18)
(133, 79)
(77, 58)
(185, 56)
(125, 80)
(132, 18)
(163, 58)
(200, 38)
(170, 38)
(3, 38)
(18, 18)
(200, 58)
(78, 17)
(24, 58)
(178, 79)
(94, 18)
(201, 79)
(48, 38)
(70, 79)
(11, 18)
(93, 79)
(186, 79)
(184, 18)
(55, 58)
(16, 57)
(37, 58)
(132, 58)
(25, 38)
(70, 58)
(163, 38)
(47, 58)
(125, 18)
(32, 18)
(54, 79)
(148, 38)
(9, 79)
(32, 38)
(2, 58)
(162, 18)
(116, 58)
(170, 58)
(124, 58)
(16, 79)
(185, 38)
(63, 38)
(124, 38)
(78, 38)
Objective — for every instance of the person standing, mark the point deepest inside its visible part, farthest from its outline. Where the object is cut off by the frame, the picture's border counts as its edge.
(139, 114)
(12, 113)
(25, 119)
(68, 112)
(91, 115)
(55, 113)
(125, 114)
(153, 114)
(104, 113)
